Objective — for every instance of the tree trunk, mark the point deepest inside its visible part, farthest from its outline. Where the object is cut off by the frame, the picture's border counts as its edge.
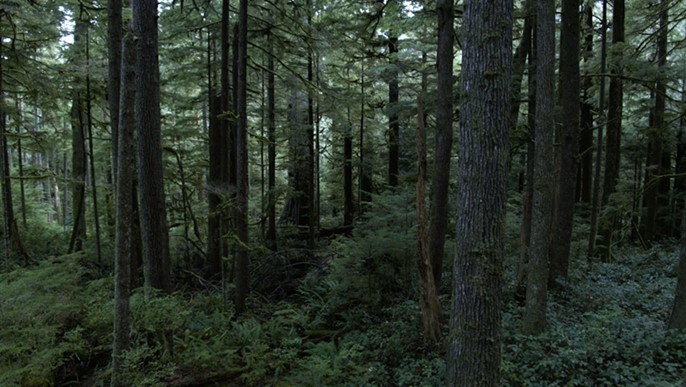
(365, 171)
(156, 261)
(12, 241)
(525, 227)
(544, 175)
(595, 200)
(91, 156)
(444, 138)
(125, 199)
(78, 144)
(584, 189)
(348, 209)
(20, 162)
(393, 114)
(311, 186)
(271, 149)
(569, 141)
(614, 126)
(474, 344)
(114, 51)
(242, 259)
(654, 165)
(677, 319)
(428, 290)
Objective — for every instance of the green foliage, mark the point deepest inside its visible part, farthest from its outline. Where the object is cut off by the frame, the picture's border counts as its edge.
(606, 329)
(40, 331)
(376, 266)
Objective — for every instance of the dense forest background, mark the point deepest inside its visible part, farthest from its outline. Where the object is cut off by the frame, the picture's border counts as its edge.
(324, 192)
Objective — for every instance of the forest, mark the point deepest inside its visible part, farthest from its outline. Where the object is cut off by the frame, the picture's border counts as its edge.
(342, 193)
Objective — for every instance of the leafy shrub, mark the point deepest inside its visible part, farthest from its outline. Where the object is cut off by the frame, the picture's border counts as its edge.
(40, 328)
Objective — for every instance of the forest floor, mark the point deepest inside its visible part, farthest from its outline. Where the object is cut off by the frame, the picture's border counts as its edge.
(606, 328)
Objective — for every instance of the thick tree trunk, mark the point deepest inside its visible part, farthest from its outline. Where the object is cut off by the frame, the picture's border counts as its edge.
(125, 198)
(242, 280)
(568, 140)
(444, 138)
(474, 343)
(544, 175)
(156, 261)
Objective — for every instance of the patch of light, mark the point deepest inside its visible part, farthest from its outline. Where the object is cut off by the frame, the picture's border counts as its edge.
(410, 7)
(67, 26)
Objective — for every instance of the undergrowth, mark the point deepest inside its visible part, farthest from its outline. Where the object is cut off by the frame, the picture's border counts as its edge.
(353, 321)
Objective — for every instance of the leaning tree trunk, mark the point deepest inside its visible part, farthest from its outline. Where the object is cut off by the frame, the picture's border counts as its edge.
(474, 343)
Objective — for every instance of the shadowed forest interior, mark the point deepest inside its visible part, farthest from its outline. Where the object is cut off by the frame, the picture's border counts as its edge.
(333, 193)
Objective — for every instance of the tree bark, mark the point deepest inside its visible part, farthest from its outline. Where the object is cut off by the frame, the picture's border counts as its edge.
(614, 125)
(444, 137)
(584, 189)
(156, 260)
(569, 141)
(654, 167)
(474, 343)
(527, 197)
(544, 175)
(242, 280)
(12, 241)
(677, 319)
(596, 199)
(428, 291)
(114, 51)
(393, 114)
(125, 198)
(78, 141)
(271, 148)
